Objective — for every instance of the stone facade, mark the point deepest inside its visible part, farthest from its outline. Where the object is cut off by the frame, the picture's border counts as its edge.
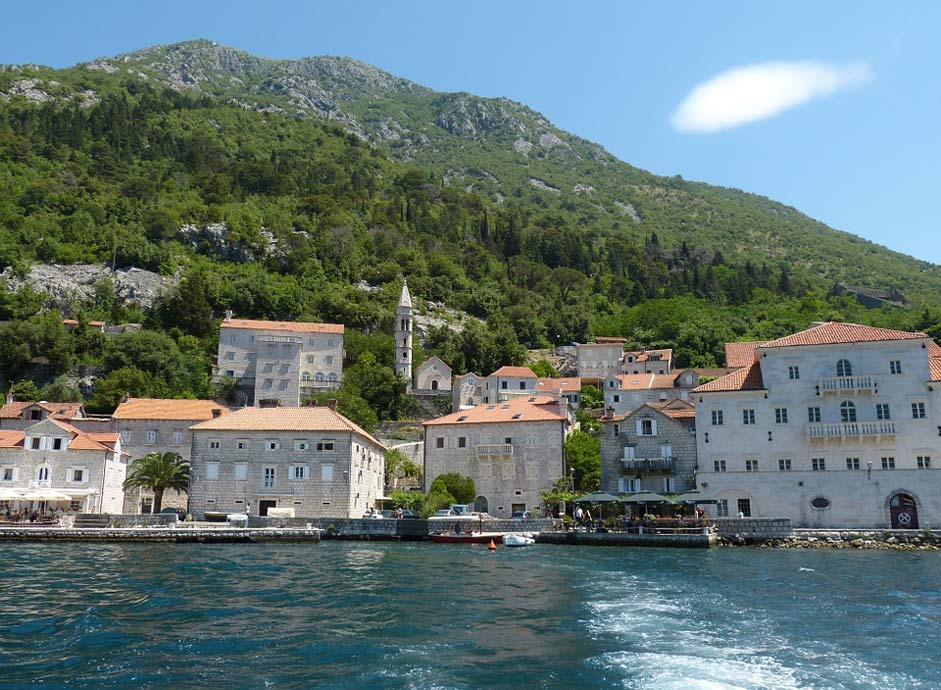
(149, 425)
(51, 456)
(280, 361)
(511, 460)
(310, 459)
(649, 450)
(467, 391)
(597, 361)
(20, 415)
(509, 382)
(835, 426)
(646, 361)
(626, 392)
(433, 375)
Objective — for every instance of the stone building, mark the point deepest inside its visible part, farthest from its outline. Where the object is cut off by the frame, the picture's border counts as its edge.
(509, 382)
(651, 448)
(19, 415)
(311, 460)
(626, 392)
(467, 390)
(433, 375)
(404, 324)
(513, 450)
(600, 359)
(280, 361)
(833, 426)
(149, 425)
(565, 388)
(52, 456)
(646, 361)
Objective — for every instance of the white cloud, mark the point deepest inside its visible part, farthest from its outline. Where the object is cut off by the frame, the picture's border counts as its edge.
(756, 92)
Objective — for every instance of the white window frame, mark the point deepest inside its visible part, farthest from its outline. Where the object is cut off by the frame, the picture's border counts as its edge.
(299, 473)
(272, 444)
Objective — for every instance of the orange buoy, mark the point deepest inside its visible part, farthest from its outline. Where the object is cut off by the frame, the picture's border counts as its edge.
(491, 546)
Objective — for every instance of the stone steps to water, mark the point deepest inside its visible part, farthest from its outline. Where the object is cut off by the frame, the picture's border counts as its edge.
(91, 520)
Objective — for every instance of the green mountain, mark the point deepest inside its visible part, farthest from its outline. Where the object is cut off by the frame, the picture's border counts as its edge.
(505, 151)
(306, 189)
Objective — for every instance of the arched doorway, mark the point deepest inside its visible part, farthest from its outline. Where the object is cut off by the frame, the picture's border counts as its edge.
(903, 512)
(481, 504)
(434, 384)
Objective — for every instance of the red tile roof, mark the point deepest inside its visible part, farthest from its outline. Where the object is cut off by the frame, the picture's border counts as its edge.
(740, 354)
(518, 372)
(11, 438)
(283, 419)
(562, 385)
(677, 409)
(934, 365)
(607, 340)
(520, 409)
(14, 410)
(284, 326)
(744, 379)
(648, 381)
(835, 333)
(666, 355)
(156, 408)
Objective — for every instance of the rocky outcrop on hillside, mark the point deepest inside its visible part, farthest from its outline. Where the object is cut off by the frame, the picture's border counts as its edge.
(66, 284)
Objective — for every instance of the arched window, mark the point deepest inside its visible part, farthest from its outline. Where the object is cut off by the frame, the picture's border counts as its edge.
(43, 474)
(844, 368)
(305, 377)
(481, 504)
(434, 384)
(332, 378)
(847, 411)
(319, 376)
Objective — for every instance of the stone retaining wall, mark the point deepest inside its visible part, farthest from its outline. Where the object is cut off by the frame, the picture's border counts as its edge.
(135, 520)
(681, 541)
(182, 535)
(754, 528)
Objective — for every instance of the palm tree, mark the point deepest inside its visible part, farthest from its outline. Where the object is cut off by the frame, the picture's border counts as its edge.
(159, 472)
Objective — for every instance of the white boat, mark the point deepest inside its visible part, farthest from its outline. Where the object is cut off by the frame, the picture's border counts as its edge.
(518, 540)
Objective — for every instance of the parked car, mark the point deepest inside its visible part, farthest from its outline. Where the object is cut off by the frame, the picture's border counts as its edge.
(522, 515)
(408, 514)
(444, 512)
(179, 512)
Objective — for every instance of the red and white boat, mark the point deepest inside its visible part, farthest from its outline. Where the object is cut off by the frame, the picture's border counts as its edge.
(467, 537)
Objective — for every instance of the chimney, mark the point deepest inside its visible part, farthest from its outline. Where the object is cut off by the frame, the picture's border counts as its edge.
(127, 396)
(9, 398)
(332, 404)
(216, 412)
(228, 315)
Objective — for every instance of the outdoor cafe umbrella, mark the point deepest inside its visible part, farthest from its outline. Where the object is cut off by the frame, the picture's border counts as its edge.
(597, 497)
(45, 495)
(644, 497)
(7, 494)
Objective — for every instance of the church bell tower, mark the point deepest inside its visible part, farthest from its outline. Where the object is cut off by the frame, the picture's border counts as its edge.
(403, 336)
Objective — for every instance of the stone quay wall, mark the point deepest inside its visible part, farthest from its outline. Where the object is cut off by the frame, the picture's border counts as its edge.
(361, 528)
(221, 535)
(681, 541)
(754, 529)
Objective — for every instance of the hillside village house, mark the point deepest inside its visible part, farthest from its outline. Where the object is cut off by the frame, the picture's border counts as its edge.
(50, 457)
(567, 388)
(312, 461)
(467, 390)
(598, 360)
(19, 415)
(509, 382)
(626, 392)
(149, 425)
(651, 448)
(513, 450)
(280, 361)
(833, 426)
(646, 361)
(433, 375)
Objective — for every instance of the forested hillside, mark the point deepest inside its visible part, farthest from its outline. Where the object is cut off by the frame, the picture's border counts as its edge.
(277, 216)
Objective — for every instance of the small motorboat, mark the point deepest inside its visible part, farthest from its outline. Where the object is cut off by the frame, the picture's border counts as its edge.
(518, 540)
(466, 537)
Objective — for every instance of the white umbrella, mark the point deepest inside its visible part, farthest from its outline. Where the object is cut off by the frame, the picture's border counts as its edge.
(46, 495)
(7, 494)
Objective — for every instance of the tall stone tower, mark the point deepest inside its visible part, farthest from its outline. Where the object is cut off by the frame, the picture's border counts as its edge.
(403, 336)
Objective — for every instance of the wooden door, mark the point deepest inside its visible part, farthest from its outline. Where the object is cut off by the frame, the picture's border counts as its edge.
(903, 512)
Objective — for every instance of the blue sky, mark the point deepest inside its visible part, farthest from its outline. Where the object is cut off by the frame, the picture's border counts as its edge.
(855, 140)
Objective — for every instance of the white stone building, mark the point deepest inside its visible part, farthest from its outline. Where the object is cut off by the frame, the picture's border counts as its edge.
(646, 361)
(626, 392)
(467, 390)
(834, 426)
(52, 456)
(513, 450)
(568, 388)
(510, 382)
(311, 460)
(280, 361)
(598, 360)
(150, 425)
(433, 375)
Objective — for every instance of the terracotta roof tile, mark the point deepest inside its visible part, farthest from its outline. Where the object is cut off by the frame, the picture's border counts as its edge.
(607, 340)
(563, 385)
(11, 438)
(519, 372)
(835, 333)
(14, 410)
(157, 408)
(677, 409)
(744, 379)
(934, 365)
(648, 381)
(535, 409)
(284, 326)
(934, 350)
(283, 419)
(666, 355)
(742, 354)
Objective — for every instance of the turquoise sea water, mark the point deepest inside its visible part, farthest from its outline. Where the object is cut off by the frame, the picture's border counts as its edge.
(375, 616)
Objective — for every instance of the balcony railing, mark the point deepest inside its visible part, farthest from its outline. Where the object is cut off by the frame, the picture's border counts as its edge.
(647, 464)
(494, 450)
(847, 384)
(291, 339)
(276, 491)
(40, 483)
(851, 430)
(313, 383)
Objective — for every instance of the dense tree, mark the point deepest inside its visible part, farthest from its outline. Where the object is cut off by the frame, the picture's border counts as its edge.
(583, 454)
(159, 472)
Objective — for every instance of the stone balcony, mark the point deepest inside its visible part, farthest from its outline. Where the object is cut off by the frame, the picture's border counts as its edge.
(494, 451)
(846, 384)
(275, 491)
(852, 430)
(647, 464)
